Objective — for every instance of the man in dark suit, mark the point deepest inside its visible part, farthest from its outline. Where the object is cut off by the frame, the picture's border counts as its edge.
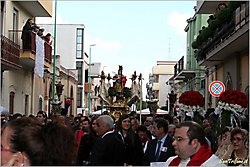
(160, 148)
(109, 150)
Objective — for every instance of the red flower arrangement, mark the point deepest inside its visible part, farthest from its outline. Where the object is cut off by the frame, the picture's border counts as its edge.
(191, 98)
(191, 103)
(234, 97)
(233, 100)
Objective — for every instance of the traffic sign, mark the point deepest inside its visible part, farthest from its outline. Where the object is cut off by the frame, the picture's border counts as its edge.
(216, 88)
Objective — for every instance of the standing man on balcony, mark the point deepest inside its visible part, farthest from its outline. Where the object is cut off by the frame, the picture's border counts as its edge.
(26, 36)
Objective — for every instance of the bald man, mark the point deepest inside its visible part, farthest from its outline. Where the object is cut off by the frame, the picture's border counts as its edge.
(109, 149)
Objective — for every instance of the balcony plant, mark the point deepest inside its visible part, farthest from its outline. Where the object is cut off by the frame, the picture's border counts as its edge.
(215, 22)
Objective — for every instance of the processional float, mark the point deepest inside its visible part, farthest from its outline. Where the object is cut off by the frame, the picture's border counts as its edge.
(117, 97)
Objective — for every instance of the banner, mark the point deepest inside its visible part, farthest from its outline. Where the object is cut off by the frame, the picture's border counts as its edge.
(39, 64)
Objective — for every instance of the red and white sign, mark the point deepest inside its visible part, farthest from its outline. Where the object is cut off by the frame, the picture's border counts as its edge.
(216, 88)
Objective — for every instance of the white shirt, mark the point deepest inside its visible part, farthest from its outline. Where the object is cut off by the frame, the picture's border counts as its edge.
(112, 131)
(213, 161)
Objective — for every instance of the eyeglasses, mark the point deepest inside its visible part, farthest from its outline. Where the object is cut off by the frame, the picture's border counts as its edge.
(7, 149)
(237, 138)
(179, 139)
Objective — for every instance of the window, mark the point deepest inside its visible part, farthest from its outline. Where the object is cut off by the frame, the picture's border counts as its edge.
(26, 104)
(11, 102)
(79, 97)
(79, 67)
(203, 84)
(13, 34)
(79, 43)
(71, 96)
(86, 75)
(40, 104)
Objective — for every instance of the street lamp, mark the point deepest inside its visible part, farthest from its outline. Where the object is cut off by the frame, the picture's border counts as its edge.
(140, 81)
(89, 78)
(103, 83)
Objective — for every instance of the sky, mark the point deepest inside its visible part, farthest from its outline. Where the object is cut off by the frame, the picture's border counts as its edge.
(134, 34)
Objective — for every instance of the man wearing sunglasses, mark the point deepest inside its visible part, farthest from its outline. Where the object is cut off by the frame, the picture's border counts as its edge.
(192, 148)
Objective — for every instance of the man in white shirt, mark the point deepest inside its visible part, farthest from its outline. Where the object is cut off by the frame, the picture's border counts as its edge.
(192, 148)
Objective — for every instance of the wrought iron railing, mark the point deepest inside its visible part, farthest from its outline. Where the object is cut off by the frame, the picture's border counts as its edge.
(179, 66)
(10, 51)
(29, 43)
(48, 52)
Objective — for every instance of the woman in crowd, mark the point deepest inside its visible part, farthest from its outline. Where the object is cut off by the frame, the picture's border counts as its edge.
(239, 156)
(25, 142)
(134, 151)
(42, 117)
(225, 146)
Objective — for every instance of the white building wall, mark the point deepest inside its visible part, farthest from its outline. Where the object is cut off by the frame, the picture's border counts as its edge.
(164, 89)
(65, 42)
(164, 70)
(19, 82)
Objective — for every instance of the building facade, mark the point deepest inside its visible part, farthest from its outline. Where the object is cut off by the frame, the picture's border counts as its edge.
(70, 47)
(26, 73)
(161, 73)
(225, 54)
(21, 88)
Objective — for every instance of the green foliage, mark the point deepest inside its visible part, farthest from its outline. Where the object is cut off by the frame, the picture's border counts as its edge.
(213, 25)
(214, 22)
(194, 45)
(233, 5)
(126, 92)
(224, 15)
(144, 105)
(112, 91)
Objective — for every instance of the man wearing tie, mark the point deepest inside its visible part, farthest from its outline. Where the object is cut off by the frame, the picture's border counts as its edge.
(160, 148)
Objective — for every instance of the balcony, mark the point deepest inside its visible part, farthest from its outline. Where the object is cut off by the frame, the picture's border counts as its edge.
(207, 7)
(182, 74)
(37, 8)
(28, 51)
(230, 38)
(10, 54)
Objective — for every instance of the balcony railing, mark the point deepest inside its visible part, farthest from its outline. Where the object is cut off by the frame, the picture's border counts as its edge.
(48, 52)
(30, 43)
(179, 66)
(10, 51)
(239, 19)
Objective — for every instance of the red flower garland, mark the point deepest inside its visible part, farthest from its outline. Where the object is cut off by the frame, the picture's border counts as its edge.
(191, 98)
(234, 97)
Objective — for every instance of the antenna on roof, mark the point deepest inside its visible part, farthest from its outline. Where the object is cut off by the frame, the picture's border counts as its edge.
(169, 46)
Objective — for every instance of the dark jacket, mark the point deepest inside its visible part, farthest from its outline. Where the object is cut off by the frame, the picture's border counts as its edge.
(133, 149)
(86, 145)
(164, 155)
(108, 151)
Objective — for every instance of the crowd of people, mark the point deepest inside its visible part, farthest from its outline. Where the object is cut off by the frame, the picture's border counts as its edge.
(31, 27)
(102, 141)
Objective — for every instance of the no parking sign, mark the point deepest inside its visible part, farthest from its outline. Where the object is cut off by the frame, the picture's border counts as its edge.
(216, 88)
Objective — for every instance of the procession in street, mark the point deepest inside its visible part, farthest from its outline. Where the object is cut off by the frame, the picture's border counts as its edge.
(60, 108)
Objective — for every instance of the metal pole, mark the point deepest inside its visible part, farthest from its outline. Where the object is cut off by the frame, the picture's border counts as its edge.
(89, 79)
(140, 100)
(54, 57)
(102, 107)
